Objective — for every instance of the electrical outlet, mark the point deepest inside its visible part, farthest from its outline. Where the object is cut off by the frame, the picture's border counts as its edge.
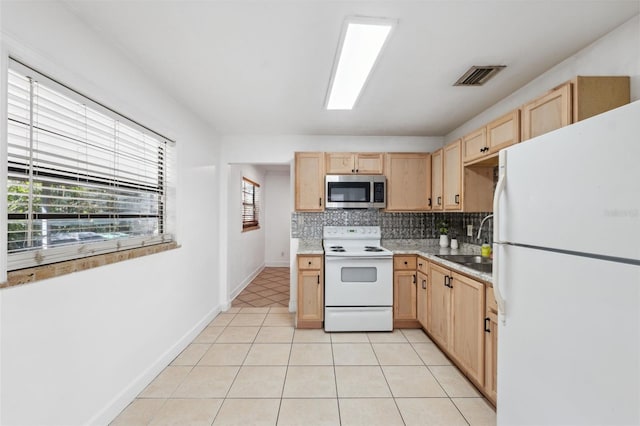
(469, 230)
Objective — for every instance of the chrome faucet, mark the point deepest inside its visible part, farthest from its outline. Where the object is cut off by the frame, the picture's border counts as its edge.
(482, 223)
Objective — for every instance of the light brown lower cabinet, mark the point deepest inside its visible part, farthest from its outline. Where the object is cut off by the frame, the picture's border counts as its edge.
(310, 292)
(491, 347)
(421, 298)
(404, 292)
(455, 319)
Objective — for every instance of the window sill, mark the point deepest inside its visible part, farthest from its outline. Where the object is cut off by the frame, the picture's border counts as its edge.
(37, 273)
(250, 228)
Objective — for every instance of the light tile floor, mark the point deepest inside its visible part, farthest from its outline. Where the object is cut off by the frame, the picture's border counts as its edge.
(249, 366)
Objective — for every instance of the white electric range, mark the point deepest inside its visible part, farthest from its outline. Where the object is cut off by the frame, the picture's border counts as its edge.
(358, 289)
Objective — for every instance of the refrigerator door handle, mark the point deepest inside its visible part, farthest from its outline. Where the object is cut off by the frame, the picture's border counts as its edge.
(496, 233)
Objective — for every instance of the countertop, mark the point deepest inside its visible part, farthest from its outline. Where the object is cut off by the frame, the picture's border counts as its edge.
(310, 247)
(428, 248)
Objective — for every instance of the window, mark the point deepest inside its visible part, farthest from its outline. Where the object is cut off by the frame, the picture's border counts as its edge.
(250, 205)
(82, 180)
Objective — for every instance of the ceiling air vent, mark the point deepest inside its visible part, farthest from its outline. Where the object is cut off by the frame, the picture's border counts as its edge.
(478, 75)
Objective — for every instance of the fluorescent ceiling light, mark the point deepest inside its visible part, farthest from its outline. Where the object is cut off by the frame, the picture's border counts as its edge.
(361, 42)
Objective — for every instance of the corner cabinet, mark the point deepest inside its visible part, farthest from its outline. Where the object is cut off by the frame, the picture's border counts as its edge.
(363, 163)
(455, 319)
(576, 100)
(310, 311)
(309, 185)
(408, 182)
(421, 296)
(452, 185)
(491, 347)
(404, 292)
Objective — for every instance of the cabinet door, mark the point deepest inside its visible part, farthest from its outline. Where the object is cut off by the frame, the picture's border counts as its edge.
(452, 176)
(421, 299)
(438, 304)
(340, 163)
(404, 295)
(467, 331)
(474, 145)
(503, 132)
(408, 181)
(436, 181)
(491, 356)
(549, 112)
(369, 163)
(309, 186)
(310, 298)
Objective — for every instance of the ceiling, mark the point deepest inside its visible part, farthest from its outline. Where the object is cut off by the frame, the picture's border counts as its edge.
(263, 66)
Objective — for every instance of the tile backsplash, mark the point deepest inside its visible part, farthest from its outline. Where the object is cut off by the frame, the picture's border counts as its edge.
(393, 225)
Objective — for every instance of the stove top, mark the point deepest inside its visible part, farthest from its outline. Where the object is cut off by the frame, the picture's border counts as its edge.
(360, 241)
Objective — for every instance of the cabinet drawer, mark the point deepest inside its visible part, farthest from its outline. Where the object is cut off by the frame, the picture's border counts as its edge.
(309, 262)
(492, 305)
(404, 263)
(423, 265)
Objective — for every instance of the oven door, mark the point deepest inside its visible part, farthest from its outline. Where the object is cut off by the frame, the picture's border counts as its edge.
(358, 281)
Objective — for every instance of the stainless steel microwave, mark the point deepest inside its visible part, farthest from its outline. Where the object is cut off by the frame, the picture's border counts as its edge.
(355, 192)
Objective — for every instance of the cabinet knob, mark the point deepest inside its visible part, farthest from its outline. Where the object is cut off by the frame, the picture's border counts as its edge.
(424, 284)
(320, 201)
(309, 263)
(414, 279)
(486, 325)
(420, 265)
(429, 202)
(405, 262)
(457, 199)
(439, 200)
(353, 170)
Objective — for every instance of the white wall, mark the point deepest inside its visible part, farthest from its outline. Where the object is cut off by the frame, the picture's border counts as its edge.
(277, 221)
(245, 249)
(77, 348)
(617, 53)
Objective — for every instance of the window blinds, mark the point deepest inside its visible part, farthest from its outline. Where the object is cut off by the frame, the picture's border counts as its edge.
(82, 179)
(250, 203)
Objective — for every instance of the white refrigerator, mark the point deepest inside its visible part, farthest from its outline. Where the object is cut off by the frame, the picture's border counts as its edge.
(567, 275)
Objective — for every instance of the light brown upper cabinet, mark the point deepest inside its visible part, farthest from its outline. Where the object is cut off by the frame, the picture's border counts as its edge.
(452, 162)
(549, 112)
(576, 100)
(408, 181)
(346, 163)
(503, 132)
(436, 180)
(309, 185)
(474, 145)
(488, 140)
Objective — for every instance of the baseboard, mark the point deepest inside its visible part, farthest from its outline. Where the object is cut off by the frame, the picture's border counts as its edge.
(277, 264)
(128, 394)
(245, 283)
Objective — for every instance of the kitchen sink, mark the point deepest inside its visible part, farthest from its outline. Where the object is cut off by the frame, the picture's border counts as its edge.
(479, 263)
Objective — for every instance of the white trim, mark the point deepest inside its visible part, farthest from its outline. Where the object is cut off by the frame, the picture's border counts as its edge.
(128, 394)
(245, 282)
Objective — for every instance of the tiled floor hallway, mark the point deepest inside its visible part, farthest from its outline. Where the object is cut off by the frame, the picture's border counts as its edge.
(249, 366)
(269, 288)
